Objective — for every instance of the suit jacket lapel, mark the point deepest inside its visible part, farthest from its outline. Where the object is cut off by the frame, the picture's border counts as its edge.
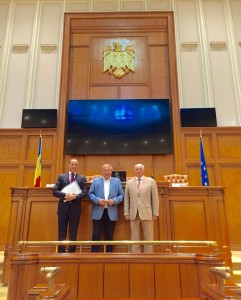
(67, 178)
(102, 187)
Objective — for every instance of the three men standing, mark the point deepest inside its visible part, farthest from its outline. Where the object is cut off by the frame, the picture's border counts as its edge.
(141, 205)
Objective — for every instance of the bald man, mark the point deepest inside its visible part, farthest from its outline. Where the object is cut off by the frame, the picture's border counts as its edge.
(141, 207)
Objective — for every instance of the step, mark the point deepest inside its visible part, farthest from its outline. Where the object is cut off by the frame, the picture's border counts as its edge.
(236, 276)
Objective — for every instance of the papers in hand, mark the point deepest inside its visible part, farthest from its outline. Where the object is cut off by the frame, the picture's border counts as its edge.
(72, 188)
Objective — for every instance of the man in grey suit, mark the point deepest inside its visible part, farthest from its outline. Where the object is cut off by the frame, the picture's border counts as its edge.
(141, 207)
(106, 193)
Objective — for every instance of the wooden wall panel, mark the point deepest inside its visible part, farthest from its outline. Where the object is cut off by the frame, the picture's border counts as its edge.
(91, 281)
(13, 228)
(229, 146)
(116, 279)
(85, 226)
(162, 165)
(164, 275)
(100, 92)
(11, 147)
(8, 178)
(159, 72)
(78, 73)
(23, 280)
(79, 39)
(18, 156)
(192, 146)
(158, 37)
(230, 176)
(130, 92)
(220, 216)
(142, 281)
(38, 216)
(222, 152)
(187, 216)
(190, 281)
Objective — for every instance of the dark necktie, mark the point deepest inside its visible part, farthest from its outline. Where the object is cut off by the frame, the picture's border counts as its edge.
(72, 179)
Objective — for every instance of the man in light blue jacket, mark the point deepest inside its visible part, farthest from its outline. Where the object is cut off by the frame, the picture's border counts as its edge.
(106, 193)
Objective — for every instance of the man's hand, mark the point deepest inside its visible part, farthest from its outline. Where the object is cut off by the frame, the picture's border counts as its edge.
(154, 218)
(127, 218)
(69, 197)
(110, 202)
(102, 202)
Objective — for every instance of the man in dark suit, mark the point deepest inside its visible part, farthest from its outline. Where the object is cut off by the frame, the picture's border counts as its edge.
(69, 207)
(105, 193)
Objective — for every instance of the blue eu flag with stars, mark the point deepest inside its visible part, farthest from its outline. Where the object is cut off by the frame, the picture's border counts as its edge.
(203, 166)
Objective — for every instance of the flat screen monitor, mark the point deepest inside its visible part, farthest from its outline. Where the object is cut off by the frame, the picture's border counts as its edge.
(198, 117)
(39, 118)
(120, 175)
(119, 127)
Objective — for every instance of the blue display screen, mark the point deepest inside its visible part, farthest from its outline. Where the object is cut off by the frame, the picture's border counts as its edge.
(118, 127)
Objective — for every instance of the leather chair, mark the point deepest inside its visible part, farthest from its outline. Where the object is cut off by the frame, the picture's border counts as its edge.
(90, 178)
(177, 179)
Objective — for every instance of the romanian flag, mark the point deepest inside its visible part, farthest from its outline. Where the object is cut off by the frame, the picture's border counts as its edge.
(37, 176)
(203, 166)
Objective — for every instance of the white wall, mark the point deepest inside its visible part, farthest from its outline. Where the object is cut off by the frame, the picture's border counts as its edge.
(208, 43)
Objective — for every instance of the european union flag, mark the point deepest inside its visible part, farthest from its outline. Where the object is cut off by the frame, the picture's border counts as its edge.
(203, 166)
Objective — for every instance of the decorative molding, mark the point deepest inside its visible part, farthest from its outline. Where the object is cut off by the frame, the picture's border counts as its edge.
(218, 45)
(20, 47)
(48, 47)
(189, 45)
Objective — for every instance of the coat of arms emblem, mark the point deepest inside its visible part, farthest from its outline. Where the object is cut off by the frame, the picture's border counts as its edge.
(118, 62)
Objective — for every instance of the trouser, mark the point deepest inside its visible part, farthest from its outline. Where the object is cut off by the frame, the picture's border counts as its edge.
(108, 226)
(147, 227)
(63, 222)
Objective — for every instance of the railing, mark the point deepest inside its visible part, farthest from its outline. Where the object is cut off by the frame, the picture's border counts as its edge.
(51, 272)
(222, 274)
(174, 244)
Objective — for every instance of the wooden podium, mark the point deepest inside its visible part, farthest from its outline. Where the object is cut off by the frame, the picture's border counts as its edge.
(186, 213)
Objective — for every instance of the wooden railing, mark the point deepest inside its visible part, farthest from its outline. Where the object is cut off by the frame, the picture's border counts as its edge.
(224, 288)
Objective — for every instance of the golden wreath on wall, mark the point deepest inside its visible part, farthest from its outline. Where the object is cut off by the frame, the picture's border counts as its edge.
(118, 62)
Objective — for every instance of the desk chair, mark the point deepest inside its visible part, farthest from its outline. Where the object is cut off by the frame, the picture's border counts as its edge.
(177, 179)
